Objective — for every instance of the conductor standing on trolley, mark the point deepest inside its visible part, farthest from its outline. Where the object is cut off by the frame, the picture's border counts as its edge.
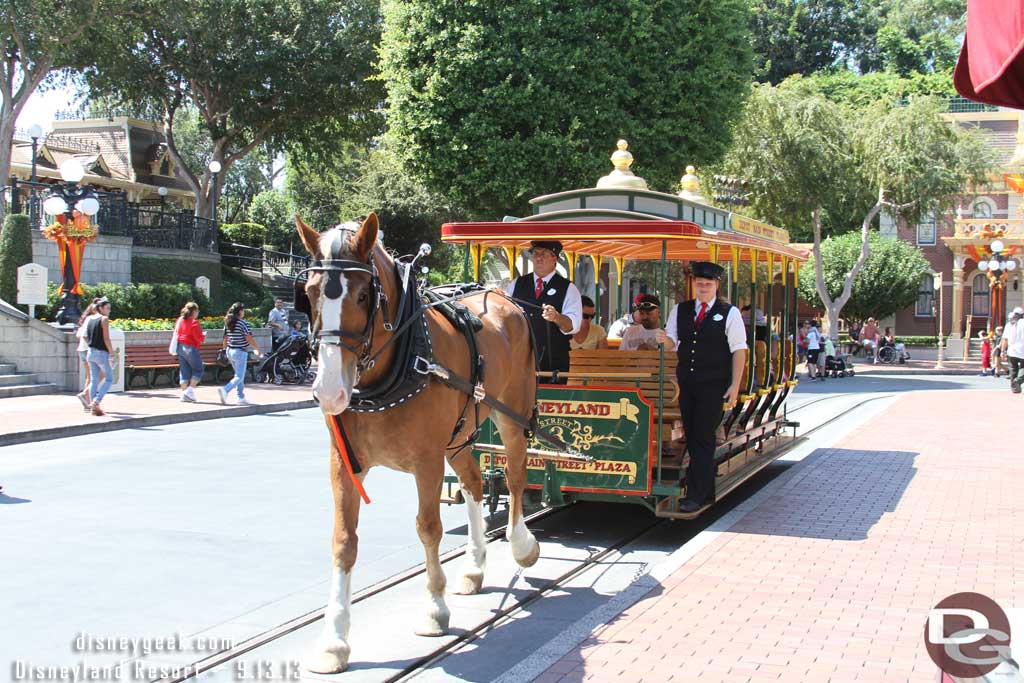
(712, 350)
(553, 305)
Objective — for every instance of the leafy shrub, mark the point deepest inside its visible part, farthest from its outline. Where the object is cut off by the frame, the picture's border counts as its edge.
(251, 234)
(238, 287)
(206, 322)
(15, 251)
(158, 269)
(161, 300)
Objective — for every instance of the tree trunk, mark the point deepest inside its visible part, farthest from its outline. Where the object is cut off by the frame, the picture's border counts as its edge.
(835, 306)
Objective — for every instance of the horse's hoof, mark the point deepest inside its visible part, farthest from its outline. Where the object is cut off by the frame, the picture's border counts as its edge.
(331, 659)
(434, 625)
(471, 581)
(530, 558)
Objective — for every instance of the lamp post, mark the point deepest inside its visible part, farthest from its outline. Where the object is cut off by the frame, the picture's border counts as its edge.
(162, 191)
(34, 132)
(63, 202)
(999, 266)
(214, 170)
(937, 284)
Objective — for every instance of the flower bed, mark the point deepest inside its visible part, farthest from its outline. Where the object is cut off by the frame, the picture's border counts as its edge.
(207, 323)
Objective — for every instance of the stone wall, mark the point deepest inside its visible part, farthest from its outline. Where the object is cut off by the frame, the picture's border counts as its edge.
(39, 348)
(108, 259)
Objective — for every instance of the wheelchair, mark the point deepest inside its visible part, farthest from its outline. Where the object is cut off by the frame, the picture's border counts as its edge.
(892, 354)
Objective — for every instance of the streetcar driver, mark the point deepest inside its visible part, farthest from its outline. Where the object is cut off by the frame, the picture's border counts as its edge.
(709, 374)
(552, 304)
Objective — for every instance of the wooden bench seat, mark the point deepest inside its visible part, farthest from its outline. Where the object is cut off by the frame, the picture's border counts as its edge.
(150, 360)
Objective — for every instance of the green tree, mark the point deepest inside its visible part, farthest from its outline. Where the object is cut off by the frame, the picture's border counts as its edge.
(15, 251)
(40, 39)
(270, 208)
(801, 36)
(810, 161)
(315, 184)
(258, 72)
(494, 103)
(887, 282)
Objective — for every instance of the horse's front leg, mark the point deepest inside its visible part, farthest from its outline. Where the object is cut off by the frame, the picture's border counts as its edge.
(525, 548)
(428, 526)
(332, 648)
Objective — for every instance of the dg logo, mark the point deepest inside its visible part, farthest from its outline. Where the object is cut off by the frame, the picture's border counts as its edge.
(967, 635)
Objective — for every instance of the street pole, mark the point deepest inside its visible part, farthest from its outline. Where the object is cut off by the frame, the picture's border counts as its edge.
(35, 132)
(938, 361)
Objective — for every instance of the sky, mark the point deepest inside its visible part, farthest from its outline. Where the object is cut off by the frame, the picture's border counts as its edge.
(41, 108)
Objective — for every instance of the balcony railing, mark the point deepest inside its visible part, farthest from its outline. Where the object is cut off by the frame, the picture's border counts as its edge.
(989, 228)
(147, 226)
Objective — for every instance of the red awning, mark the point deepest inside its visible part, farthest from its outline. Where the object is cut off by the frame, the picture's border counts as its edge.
(991, 65)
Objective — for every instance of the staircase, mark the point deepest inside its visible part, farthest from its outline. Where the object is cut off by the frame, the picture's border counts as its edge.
(14, 384)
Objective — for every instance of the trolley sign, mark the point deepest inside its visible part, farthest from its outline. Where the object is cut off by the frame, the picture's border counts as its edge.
(612, 426)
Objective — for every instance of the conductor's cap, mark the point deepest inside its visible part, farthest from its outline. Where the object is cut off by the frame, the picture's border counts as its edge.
(707, 270)
(551, 245)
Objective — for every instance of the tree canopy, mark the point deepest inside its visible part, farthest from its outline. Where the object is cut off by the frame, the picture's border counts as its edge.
(819, 168)
(888, 281)
(491, 104)
(258, 72)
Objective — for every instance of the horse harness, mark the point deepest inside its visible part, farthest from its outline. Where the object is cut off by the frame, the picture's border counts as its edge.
(414, 364)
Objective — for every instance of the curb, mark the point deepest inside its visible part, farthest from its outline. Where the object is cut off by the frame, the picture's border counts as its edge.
(922, 371)
(15, 438)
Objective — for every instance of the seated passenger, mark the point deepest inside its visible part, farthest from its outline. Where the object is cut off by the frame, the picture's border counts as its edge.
(591, 335)
(644, 337)
(618, 328)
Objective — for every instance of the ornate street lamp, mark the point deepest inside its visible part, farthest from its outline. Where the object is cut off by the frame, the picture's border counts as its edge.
(999, 265)
(34, 132)
(72, 205)
(162, 191)
(729, 190)
(214, 169)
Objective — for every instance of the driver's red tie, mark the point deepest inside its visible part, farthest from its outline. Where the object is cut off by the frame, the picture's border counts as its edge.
(540, 288)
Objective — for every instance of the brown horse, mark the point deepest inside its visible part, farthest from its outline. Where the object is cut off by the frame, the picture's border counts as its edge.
(410, 437)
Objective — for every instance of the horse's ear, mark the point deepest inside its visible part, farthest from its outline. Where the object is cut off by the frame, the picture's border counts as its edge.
(310, 237)
(366, 236)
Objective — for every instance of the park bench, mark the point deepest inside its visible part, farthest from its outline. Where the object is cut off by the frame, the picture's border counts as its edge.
(151, 360)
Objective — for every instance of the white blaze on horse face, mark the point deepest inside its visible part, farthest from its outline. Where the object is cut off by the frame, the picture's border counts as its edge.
(335, 376)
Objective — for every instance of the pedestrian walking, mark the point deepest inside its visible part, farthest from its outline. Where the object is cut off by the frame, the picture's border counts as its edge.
(801, 343)
(997, 351)
(1013, 348)
(97, 330)
(188, 337)
(813, 350)
(986, 354)
(237, 340)
(83, 354)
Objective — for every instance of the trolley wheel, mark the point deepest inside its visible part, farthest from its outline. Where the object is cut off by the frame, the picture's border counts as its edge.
(262, 377)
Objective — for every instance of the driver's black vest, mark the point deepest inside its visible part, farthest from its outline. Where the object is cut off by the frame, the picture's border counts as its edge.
(704, 354)
(552, 344)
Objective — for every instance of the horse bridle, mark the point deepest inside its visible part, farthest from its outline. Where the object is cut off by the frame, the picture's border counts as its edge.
(334, 267)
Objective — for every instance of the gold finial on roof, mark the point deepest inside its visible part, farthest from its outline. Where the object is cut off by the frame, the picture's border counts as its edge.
(690, 184)
(622, 176)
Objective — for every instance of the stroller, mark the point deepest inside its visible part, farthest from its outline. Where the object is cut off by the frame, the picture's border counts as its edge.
(840, 365)
(289, 363)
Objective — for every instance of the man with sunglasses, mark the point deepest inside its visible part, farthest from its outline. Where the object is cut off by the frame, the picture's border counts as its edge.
(552, 304)
(644, 337)
(591, 335)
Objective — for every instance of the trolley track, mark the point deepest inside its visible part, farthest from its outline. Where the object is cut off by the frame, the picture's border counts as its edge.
(423, 662)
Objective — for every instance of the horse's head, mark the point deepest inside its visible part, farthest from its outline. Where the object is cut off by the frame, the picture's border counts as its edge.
(341, 298)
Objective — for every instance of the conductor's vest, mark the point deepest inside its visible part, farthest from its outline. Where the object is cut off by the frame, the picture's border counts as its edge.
(552, 344)
(704, 354)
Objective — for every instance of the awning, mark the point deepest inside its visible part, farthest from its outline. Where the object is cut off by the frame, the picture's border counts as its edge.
(991, 64)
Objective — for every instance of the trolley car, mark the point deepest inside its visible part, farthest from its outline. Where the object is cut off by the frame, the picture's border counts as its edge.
(618, 411)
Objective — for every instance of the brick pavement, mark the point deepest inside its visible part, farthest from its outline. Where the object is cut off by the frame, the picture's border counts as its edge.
(831, 577)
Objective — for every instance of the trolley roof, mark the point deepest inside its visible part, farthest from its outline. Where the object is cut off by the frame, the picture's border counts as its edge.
(632, 239)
